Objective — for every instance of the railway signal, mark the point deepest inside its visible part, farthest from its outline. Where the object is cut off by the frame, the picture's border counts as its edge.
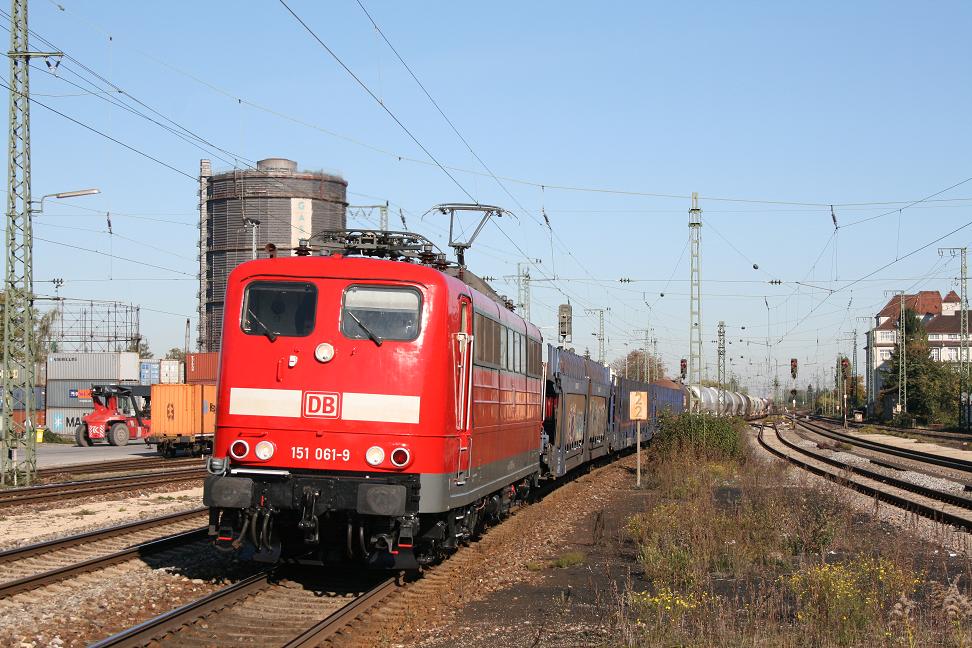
(844, 368)
(683, 368)
(793, 368)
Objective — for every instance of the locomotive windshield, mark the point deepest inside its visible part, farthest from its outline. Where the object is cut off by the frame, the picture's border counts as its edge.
(284, 308)
(378, 311)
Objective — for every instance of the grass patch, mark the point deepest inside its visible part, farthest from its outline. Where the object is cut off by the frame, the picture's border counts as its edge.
(731, 552)
(85, 511)
(569, 559)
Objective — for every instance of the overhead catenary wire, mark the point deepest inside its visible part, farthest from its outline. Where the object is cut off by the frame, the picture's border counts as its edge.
(381, 103)
(238, 98)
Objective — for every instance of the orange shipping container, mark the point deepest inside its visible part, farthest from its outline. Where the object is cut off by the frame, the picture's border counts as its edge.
(183, 410)
(39, 417)
(201, 367)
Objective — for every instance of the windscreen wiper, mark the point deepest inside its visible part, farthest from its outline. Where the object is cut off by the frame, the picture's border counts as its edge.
(266, 329)
(371, 334)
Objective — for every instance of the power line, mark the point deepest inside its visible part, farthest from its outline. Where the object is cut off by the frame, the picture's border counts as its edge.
(103, 134)
(375, 97)
(114, 256)
(538, 184)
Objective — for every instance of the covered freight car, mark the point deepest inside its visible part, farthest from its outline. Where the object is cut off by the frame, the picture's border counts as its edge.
(576, 416)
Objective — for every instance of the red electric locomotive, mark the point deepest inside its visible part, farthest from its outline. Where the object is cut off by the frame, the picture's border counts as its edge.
(369, 408)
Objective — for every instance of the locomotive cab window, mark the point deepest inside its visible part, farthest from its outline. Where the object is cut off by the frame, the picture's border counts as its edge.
(381, 312)
(279, 308)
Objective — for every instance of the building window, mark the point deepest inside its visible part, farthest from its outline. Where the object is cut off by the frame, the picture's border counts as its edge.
(885, 354)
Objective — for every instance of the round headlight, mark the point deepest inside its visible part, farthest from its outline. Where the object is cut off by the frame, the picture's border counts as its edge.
(324, 352)
(263, 450)
(239, 449)
(375, 455)
(400, 457)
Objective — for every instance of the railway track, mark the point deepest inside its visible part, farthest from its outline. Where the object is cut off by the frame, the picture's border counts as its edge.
(120, 465)
(33, 566)
(75, 489)
(924, 432)
(960, 465)
(928, 502)
(271, 608)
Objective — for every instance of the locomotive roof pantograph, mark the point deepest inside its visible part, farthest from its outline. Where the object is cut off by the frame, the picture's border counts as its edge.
(487, 211)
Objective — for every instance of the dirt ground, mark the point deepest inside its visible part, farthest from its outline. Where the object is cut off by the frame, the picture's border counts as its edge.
(550, 605)
(569, 591)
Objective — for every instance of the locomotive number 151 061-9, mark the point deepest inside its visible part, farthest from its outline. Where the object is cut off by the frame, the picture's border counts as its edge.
(320, 454)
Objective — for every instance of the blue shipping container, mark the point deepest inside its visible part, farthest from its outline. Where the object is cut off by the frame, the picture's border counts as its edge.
(149, 372)
(40, 400)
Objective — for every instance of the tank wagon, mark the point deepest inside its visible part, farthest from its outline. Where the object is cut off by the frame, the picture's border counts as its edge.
(733, 403)
(382, 405)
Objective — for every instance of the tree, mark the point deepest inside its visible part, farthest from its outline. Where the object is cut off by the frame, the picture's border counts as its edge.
(141, 346)
(175, 353)
(632, 366)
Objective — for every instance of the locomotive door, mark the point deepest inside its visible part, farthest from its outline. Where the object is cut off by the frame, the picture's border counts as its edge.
(462, 347)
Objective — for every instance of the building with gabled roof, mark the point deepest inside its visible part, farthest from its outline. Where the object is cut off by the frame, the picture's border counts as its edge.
(942, 319)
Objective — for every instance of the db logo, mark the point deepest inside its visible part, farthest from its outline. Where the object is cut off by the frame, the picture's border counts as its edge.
(322, 404)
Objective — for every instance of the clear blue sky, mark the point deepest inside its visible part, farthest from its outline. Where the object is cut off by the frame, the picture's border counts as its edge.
(818, 103)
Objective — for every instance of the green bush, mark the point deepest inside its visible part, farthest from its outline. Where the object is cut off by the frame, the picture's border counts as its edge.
(703, 435)
(51, 437)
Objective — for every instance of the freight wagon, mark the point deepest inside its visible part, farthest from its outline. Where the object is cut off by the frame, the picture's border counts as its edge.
(183, 419)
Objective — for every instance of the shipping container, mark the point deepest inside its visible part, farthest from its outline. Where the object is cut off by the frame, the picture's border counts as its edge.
(40, 373)
(64, 420)
(40, 402)
(104, 367)
(170, 372)
(149, 372)
(39, 418)
(183, 419)
(202, 367)
(179, 410)
(71, 393)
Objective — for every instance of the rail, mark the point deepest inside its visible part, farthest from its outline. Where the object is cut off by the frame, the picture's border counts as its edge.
(211, 606)
(59, 574)
(120, 465)
(929, 503)
(69, 490)
(914, 455)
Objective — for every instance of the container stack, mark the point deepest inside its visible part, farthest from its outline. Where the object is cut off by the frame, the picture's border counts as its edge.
(69, 380)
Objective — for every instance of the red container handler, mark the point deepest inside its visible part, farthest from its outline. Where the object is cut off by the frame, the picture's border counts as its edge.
(201, 368)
